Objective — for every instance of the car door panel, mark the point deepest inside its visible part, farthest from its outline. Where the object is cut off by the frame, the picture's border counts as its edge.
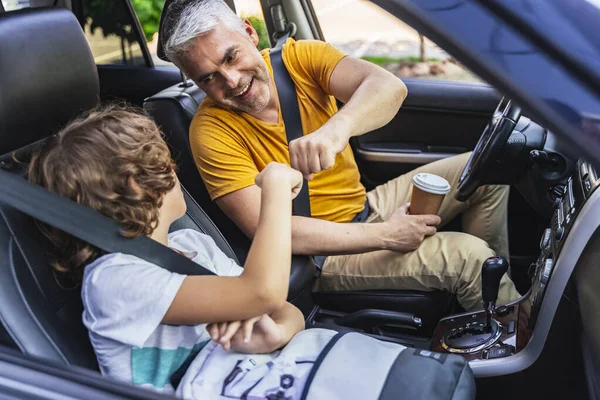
(438, 119)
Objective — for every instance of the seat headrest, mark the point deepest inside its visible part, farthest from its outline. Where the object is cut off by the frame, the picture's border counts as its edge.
(47, 74)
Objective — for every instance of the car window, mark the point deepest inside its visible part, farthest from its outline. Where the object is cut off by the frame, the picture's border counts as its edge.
(13, 5)
(107, 24)
(148, 13)
(110, 31)
(364, 30)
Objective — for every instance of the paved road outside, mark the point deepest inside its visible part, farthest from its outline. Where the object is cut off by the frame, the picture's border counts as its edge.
(361, 28)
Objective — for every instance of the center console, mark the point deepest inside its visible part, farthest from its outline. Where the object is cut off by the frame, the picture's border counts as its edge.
(514, 323)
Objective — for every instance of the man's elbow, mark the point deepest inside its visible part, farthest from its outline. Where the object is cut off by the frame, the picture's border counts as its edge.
(394, 86)
(401, 91)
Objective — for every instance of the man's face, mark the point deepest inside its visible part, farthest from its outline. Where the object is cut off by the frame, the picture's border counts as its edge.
(227, 65)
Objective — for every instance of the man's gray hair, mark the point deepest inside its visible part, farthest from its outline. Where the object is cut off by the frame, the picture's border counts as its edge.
(185, 20)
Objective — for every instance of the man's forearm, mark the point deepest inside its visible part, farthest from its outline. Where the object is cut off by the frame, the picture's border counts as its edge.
(374, 104)
(313, 236)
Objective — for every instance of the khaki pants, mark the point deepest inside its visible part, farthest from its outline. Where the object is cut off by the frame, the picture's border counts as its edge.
(448, 261)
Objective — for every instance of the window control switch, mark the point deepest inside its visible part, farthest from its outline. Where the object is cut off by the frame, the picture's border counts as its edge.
(504, 350)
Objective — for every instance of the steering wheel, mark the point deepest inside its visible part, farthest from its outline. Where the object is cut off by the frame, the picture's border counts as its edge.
(493, 138)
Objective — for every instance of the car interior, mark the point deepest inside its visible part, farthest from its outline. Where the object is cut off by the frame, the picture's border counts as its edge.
(545, 343)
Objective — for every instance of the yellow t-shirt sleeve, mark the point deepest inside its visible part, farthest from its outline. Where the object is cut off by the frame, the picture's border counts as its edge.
(318, 59)
(221, 157)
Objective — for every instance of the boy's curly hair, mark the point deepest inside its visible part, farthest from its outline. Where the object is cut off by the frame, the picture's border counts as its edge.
(111, 159)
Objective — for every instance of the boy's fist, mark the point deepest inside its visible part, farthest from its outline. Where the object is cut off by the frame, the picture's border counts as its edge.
(280, 174)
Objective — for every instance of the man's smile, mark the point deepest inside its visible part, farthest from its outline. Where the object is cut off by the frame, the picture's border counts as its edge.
(244, 89)
(243, 94)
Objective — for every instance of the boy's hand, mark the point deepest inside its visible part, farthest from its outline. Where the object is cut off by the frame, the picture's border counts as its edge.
(280, 174)
(255, 335)
(267, 336)
(223, 332)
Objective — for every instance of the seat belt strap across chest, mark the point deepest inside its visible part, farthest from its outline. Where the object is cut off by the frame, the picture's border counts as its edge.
(290, 111)
(89, 225)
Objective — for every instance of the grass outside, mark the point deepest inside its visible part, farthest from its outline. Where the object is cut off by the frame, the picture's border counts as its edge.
(382, 60)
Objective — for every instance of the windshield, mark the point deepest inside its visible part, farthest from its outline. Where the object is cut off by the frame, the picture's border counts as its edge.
(570, 25)
(499, 40)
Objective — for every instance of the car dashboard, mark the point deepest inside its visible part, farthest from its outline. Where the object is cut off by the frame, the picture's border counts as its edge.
(528, 323)
(576, 192)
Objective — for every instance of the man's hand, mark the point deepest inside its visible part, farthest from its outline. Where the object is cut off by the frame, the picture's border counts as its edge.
(255, 335)
(403, 232)
(316, 152)
(280, 174)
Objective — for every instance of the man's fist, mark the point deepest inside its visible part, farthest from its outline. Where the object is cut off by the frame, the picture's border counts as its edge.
(316, 152)
(280, 174)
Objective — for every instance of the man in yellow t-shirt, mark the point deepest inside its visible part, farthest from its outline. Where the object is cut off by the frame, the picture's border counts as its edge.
(238, 130)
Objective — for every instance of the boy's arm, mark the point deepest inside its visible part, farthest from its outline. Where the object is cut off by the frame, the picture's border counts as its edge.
(263, 285)
(259, 335)
(290, 320)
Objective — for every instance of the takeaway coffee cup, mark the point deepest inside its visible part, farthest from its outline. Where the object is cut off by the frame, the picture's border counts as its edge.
(427, 194)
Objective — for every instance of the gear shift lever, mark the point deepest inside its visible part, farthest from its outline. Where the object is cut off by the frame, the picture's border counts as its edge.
(477, 334)
(491, 272)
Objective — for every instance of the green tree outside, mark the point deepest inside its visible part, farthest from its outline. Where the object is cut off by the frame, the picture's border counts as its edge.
(148, 12)
(263, 36)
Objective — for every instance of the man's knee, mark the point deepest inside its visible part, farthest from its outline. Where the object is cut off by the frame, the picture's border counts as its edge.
(499, 190)
(471, 252)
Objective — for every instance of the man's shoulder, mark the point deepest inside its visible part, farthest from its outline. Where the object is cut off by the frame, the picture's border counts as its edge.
(211, 118)
(209, 110)
(304, 48)
(311, 62)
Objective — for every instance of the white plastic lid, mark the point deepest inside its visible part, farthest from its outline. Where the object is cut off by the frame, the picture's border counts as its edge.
(431, 183)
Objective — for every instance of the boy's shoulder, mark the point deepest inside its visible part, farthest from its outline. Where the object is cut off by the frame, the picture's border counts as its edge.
(187, 238)
(199, 247)
(190, 239)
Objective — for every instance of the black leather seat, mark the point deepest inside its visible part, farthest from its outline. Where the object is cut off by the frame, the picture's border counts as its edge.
(42, 90)
(173, 109)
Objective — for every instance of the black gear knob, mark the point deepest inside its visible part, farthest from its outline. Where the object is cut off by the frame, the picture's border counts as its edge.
(491, 272)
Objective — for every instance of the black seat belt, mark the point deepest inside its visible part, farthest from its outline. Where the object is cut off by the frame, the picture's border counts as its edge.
(291, 116)
(89, 225)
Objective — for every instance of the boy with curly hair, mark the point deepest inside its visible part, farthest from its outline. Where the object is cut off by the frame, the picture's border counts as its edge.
(146, 323)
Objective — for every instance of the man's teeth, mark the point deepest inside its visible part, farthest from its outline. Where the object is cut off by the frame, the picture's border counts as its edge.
(244, 90)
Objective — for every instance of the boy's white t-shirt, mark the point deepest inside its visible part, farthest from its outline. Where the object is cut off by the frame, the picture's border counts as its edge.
(125, 299)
